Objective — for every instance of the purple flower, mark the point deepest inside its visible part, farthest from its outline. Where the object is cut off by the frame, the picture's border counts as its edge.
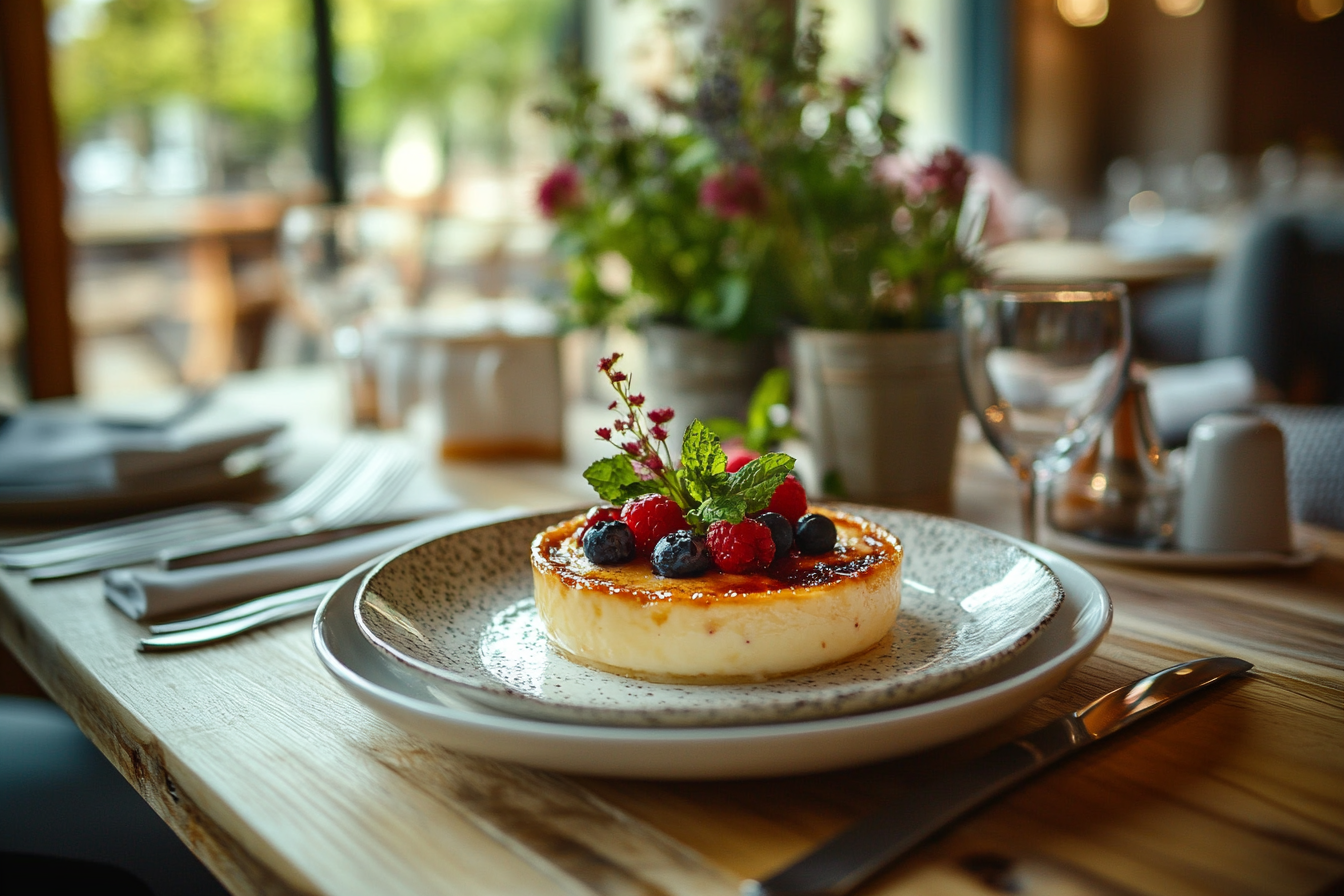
(734, 193)
(560, 191)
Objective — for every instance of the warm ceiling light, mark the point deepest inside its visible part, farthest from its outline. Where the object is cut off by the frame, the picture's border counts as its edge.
(1181, 8)
(1086, 13)
(1317, 10)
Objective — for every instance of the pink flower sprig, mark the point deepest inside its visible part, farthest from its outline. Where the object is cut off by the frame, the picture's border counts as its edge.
(642, 434)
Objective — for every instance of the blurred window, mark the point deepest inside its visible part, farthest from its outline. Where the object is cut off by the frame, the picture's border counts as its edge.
(184, 125)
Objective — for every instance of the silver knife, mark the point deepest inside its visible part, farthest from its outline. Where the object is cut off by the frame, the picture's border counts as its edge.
(851, 857)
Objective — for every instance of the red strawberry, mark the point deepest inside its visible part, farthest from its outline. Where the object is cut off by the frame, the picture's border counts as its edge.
(739, 457)
(789, 500)
(650, 518)
(741, 547)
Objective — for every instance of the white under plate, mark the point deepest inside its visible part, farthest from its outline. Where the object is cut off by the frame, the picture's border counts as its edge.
(419, 704)
(460, 608)
(1305, 552)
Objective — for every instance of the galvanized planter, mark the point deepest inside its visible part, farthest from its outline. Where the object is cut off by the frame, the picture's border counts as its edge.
(880, 410)
(701, 375)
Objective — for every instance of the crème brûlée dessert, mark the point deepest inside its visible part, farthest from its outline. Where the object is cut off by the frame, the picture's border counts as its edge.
(801, 612)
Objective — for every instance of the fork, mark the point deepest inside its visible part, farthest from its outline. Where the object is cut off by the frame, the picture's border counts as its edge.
(139, 539)
(376, 485)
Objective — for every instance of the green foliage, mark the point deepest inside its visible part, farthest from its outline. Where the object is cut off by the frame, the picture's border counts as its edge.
(702, 462)
(615, 480)
(834, 240)
(760, 433)
(641, 201)
(251, 61)
(756, 482)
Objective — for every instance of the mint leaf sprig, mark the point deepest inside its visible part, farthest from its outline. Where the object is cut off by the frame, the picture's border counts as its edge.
(700, 484)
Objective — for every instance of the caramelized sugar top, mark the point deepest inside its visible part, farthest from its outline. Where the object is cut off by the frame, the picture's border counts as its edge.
(862, 549)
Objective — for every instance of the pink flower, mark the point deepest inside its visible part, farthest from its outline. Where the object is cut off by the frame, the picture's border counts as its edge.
(637, 399)
(604, 433)
(946, 175)
(658, 433)
(734, 193)
(617, 377)
(653, 463)
(943, 177)
(559, 192)
(631, 448)
(661, 415)
(605, 364)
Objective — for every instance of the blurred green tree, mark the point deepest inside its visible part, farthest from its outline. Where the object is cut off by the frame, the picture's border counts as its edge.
(249, 61)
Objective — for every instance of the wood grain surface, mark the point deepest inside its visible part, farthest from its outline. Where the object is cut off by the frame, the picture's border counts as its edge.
(282, 783)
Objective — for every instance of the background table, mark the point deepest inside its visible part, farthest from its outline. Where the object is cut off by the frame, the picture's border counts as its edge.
(282, 783)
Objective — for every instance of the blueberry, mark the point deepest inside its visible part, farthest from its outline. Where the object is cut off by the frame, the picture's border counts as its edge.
(781, 531)
(815, 535)
(681, 555)
(609, 543)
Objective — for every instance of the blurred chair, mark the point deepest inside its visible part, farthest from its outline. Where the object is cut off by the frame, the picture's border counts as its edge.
(1314, 437)
(1278, 301)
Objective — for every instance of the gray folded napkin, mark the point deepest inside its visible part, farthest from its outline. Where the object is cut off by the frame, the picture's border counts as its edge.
(148, 594)
(64, 450)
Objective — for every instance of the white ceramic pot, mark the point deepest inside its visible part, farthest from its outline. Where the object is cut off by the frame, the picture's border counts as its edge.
(700, 375)
(880, 410)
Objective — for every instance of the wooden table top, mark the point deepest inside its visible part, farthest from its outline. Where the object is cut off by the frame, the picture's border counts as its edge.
(283, 783)
(1076, 261)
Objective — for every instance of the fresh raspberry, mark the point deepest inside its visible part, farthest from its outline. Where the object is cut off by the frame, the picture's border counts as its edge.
(594, 516)
(651, 517)
(739, 458)
(789, 500)
(741, 547)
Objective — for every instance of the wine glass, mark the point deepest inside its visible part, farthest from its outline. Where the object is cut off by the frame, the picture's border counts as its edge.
(1043, 367)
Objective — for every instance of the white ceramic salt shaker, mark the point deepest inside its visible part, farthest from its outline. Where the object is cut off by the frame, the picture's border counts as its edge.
(1236, 494)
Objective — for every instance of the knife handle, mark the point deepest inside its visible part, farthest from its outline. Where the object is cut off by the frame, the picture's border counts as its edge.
(849, 858)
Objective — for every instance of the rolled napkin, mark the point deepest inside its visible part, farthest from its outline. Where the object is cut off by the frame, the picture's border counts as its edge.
(1180, 395)
(149, 594)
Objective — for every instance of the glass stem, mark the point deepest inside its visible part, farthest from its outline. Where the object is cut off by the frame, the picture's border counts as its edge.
(1027, 488)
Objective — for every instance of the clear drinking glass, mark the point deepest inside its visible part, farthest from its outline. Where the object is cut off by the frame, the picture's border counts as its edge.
(347, 266)
(1042, 367)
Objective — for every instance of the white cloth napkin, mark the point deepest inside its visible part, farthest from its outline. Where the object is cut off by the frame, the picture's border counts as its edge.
(65, 450)
(155, 594)
(1180, 395)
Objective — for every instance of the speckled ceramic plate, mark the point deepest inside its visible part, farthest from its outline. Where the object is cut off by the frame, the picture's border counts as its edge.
(422, 705)
(460, 608)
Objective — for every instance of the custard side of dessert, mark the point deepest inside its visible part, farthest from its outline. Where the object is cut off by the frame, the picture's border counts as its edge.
(799, 613)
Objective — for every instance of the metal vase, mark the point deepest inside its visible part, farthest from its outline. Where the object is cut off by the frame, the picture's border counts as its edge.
(880, 411)
(700, 375)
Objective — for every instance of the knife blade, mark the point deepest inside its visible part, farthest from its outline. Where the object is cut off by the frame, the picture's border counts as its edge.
(854, 855)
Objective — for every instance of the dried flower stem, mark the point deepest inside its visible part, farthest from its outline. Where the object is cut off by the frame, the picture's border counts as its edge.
(647, 441)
